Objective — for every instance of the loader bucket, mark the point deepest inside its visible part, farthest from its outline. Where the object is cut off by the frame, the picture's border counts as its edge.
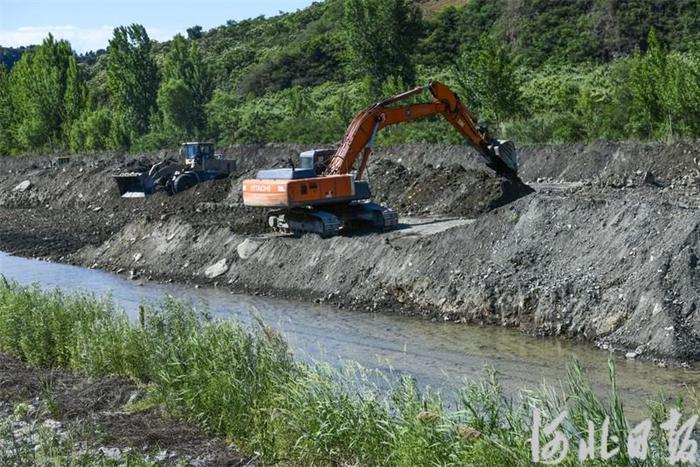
(131, 185)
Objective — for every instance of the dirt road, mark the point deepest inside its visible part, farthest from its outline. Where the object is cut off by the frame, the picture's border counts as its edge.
(606, 249)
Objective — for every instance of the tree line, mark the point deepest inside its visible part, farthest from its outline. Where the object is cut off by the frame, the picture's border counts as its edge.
(47, 103)
(300, 78)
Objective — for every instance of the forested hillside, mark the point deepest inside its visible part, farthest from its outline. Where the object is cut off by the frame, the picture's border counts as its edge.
(533, 70)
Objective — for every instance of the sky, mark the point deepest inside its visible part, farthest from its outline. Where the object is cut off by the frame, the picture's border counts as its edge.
(88, 24)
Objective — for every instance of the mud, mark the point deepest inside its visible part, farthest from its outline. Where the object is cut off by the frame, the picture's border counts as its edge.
(453, 190)
(98, 410)
(605, 250)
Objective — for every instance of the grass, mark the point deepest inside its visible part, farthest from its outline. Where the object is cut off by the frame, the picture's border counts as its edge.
(245, 384)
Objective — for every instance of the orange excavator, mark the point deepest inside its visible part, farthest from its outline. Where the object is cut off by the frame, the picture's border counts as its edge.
(326, 193)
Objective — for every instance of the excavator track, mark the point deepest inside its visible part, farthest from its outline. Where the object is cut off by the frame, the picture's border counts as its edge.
(301, 221)
(376, 216)
(330, 221)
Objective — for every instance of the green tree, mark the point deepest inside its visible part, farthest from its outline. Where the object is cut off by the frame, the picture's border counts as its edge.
(445, 37)
(381, 37)
(6, 115)
(132, 79)
(186, 88)
(684, 91)
(552, 31)
(38, 86)
(75, 97)
(92, 131)
(121, 133)
(175, 101)
(195, 32)
(224, 116)
(664, 87)
(300, 125)
(648, 77)
(488, 80)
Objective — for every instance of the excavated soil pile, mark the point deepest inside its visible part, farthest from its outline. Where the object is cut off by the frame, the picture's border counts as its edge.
(445, 191)
(65, 208)
(606, 249)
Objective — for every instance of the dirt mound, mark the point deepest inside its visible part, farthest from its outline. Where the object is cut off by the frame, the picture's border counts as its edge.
(610, 163)
(446, 191)
(51, 211)
(604, 163)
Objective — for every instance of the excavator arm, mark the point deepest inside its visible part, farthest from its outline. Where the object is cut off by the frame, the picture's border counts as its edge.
(359, 138)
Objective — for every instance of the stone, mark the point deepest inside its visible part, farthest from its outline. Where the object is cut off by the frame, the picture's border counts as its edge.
(113, 454)
(650, 179)
(134, 396)
(631, 355)
(248, 247)
(23, 186)
(52, 425)
(217, 269)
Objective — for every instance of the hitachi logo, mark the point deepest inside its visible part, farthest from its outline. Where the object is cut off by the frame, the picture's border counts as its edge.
(261, 188)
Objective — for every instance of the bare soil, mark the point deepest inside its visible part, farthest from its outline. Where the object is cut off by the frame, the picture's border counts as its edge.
(99, 408)
(606, 249)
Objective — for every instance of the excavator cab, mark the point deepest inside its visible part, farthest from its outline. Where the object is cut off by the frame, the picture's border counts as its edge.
(316, 159)
(312, 164)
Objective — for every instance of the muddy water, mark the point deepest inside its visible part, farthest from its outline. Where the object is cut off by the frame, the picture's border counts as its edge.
(437, 354)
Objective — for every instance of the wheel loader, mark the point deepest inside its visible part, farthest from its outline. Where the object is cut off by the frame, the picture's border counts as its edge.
(200, 164)
(327, 194)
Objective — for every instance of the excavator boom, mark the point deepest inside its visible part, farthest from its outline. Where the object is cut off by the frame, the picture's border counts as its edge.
(362, 130)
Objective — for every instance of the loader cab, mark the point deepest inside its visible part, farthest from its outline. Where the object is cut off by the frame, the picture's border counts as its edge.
(197, 154)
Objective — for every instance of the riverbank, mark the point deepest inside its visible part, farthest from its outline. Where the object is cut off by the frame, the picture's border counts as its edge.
(244, 385)
(605, 250)
(53, 416)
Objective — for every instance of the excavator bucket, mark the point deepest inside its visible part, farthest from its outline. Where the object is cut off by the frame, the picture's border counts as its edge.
(507, 153)
(504, 153)
(132, 185)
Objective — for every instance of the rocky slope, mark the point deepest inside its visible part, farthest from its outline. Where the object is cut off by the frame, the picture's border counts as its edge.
(605, 250)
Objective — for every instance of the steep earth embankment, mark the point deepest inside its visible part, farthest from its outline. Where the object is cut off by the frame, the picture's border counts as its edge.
(606, 249)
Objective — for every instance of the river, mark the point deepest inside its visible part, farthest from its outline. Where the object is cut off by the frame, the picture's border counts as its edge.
(440, 355)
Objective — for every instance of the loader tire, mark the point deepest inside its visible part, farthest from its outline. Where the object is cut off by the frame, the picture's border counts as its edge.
(184, 182)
